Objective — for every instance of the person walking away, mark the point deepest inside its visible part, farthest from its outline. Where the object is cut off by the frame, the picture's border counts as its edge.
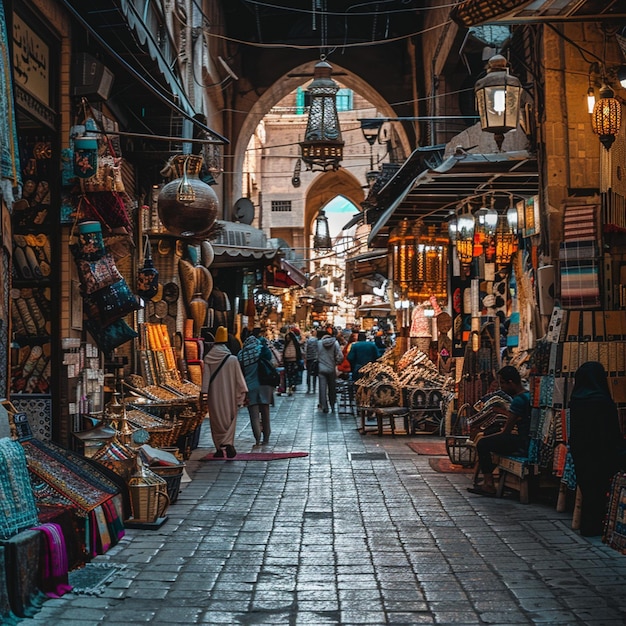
(506, 441)
(596, 443)
(361, 353)
(310, 361)
(329, 357)
(292, 355)
(254, 349)
(223, 391)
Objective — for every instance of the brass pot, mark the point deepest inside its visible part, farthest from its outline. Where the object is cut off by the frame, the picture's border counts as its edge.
(187, 206)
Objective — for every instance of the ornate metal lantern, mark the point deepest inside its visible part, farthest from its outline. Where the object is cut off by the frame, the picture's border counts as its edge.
(606, 118)
(402, 242)
(498, 97)
(321, 238)
(322, 148)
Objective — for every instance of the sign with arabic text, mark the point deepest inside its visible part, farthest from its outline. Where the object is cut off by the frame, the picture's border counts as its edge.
(31, 61)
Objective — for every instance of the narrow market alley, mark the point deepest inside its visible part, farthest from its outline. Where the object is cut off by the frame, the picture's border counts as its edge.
(360, 531)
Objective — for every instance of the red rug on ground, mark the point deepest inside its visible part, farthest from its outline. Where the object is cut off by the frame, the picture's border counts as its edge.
(429, 448)
(257, 456)
(444, 466)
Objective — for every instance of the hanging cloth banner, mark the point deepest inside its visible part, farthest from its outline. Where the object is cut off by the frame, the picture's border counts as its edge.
(9, 152)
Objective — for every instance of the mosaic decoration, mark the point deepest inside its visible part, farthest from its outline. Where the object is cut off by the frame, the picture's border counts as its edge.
(39, 412)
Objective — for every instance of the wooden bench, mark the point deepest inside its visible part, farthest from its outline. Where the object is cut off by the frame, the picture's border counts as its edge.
(515, 473)
(391, 413)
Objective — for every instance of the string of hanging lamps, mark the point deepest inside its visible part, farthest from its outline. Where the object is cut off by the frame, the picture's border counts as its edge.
(484, 231)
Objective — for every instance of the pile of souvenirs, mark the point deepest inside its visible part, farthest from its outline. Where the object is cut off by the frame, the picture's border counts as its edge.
(412, 381)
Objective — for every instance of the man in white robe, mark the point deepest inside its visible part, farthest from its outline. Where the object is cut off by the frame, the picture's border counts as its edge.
(223, 391)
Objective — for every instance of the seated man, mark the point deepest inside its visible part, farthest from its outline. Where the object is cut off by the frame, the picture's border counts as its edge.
(515, 434)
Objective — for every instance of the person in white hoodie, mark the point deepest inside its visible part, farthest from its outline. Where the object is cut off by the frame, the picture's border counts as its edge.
(329, 355)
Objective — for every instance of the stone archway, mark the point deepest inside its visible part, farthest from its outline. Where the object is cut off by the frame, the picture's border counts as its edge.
(281, 88)
(324, 188)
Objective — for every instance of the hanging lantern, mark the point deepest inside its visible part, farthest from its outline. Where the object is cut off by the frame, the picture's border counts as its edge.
(322, 148)
(321, 239)
(187, 206)
(606, 118)
(431, 263)
(453, 226)
(498, 97)
(148, 275)
(465, 237)
(506, 241)
(402, 243)
(212, 156)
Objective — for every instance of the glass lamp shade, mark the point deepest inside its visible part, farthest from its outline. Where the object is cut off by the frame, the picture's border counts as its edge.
(322, 148)
(498, 97)
(512, 219)
(453, 227)
(606, 118)
(465, 237)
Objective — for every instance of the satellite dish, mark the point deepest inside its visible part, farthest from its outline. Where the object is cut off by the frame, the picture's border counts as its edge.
(243, 211)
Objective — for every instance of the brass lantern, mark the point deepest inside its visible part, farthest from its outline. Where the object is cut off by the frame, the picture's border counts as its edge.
(322, 148)
(606, 118)
(506, 241)
(402, 242)
(498, 96)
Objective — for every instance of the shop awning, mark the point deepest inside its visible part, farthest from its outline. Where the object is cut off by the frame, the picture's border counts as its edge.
(294, 273)
(472, 12)
(233, 256)
(366, 271)
(374, 310)
(434, 191)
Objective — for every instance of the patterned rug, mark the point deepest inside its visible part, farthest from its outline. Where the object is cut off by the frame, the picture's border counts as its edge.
(444, 466)
(93, 578)
(257, 456)
(429, 448)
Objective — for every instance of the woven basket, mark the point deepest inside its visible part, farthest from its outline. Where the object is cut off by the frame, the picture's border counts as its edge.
(172, 474)
(148, 496)
(460, 451)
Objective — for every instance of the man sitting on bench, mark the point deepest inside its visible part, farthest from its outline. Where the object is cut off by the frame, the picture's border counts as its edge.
(514, 436)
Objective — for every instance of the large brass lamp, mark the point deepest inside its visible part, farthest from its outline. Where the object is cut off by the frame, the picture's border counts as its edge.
(498, 97)
(322, 148)
(402, 242)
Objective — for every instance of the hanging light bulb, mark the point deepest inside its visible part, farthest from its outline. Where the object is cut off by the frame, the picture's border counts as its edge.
(591, 100)
(512, 219)
(452, 226)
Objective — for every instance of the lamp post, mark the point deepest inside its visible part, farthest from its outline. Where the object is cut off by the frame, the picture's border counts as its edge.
(322, 148)
(498, 97)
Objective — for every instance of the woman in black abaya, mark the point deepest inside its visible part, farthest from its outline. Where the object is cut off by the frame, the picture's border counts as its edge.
(595, 441)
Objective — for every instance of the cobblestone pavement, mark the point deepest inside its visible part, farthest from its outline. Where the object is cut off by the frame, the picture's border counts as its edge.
(336, 539)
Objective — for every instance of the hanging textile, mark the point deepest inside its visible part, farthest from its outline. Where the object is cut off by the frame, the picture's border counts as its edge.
(9, 155)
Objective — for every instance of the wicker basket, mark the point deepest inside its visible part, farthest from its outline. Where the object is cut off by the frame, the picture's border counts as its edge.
(172, 474)
(461, 451)
(148, 496)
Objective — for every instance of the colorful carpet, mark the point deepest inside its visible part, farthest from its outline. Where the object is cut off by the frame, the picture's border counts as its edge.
(444, 466)
(257, 456)
(429, 448)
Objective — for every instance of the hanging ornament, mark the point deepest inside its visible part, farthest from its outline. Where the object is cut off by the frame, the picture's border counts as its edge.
(187, 206)
(148, 275)
(85, 156)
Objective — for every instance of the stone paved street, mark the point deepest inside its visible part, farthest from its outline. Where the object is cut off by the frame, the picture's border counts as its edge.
(334, 539)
